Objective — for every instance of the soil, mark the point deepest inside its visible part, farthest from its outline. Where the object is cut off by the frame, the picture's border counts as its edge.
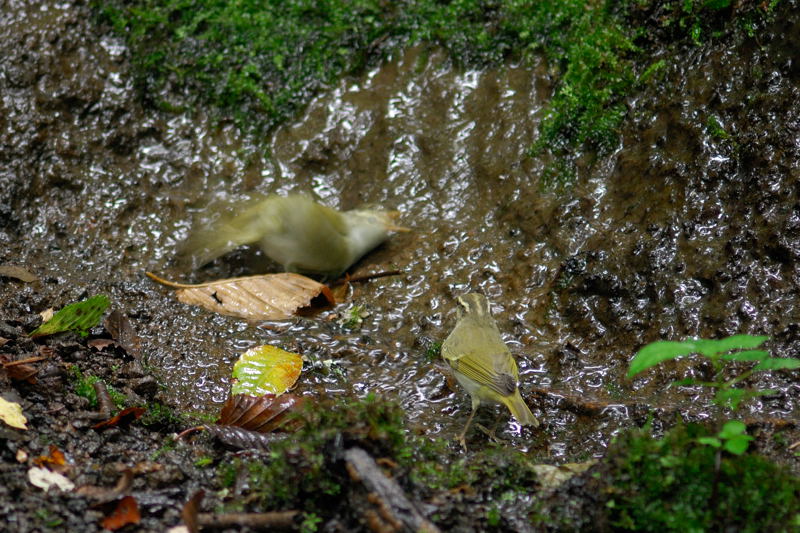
(681, 232)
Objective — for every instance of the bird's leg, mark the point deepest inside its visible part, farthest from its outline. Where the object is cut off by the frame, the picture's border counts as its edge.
(462, 437)
(491, 433)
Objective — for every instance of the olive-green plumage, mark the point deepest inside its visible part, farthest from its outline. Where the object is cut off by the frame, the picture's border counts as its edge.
(481, 361)
(296, 232)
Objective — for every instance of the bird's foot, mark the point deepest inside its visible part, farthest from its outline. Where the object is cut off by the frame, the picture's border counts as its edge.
(491, 434)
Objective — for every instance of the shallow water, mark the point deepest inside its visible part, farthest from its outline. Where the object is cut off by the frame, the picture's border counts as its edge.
(678, 233)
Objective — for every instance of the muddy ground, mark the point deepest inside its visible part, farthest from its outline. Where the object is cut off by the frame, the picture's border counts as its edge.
(682, 231)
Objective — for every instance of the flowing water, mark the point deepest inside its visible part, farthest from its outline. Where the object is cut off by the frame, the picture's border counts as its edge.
(679, 232)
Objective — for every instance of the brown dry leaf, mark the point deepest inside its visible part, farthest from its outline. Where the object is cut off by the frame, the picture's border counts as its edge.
(260, 413)
(55, 459)
(266, 297)
(122, 331)
(100, 344)
(126, 416)
(127, 512)
(22, 372)
(11, 271)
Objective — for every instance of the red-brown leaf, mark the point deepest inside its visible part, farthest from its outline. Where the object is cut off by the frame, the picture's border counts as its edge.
(260, 413)
(124, 417)
(127, 512)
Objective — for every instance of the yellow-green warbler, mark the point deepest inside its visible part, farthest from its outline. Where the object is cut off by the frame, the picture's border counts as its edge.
(482, 363)
(296, 232)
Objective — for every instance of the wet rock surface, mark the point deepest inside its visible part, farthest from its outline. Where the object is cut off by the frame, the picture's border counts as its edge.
(691, 228)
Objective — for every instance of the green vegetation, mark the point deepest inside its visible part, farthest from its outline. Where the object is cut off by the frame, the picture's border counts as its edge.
(79, 317)
(261, 61)
(675, 484)
(303, 470)
(722, 354)
(84, 386)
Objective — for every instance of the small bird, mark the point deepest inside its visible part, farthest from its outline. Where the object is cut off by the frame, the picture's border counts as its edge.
(482, 363)
(300, 234)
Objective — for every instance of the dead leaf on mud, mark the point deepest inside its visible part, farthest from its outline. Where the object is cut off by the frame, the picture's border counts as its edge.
(16, 272)
(265, 297)
(126, 512)
(551, 476)
(55, 460)
(124, 417)
(121, 330)
(260, 413)
(45, 479)
(11, 414)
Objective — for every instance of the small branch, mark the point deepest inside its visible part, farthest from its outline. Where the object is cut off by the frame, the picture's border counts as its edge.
(368, 277)
(33, 359)
(391, 509)
(277, 519)
(104, 403)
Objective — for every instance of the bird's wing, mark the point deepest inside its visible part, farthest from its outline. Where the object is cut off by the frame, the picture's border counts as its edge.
(484, 370)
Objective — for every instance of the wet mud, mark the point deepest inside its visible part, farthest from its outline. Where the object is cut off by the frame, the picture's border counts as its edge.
(685, 230)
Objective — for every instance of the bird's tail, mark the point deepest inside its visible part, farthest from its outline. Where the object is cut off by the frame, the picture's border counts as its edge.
(231, 230)
(520, 410)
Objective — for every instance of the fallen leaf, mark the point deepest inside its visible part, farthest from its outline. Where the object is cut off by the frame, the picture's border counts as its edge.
(124, 417)
(551, 476)
(54, 458)
(266, 297)
(100, 344)
(244, 438)
(265, 370)
(121, 331)
(44, 479)
(11, 271)
(190, 510)
(78, 317)
(11, 414)
(47, 314)
(105, 494)
(126, 512)
(261, 414)
(22, 372)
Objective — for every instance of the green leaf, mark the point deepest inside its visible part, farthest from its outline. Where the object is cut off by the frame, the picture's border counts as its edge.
(749, 355)
(686, 382)
(710, 348)
(79, 317)
(710, 441)
(737, 445)
(730, 397)
(776, 364)
(657, 352)
(732, 428)
(265, 369)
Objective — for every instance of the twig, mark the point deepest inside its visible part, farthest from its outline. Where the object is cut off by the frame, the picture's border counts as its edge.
(392, 510)
(104, 403)
(276, 519)
(367, 277)
(33, 359)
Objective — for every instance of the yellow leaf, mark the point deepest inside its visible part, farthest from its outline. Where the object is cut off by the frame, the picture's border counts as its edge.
(11, 414)
(265, 297)
(266, 369)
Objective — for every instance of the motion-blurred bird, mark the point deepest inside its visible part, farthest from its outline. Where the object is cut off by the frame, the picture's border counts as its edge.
(482, 363)
(296, 232)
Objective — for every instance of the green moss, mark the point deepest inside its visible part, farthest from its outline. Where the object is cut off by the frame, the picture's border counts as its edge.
(84, 386)
(671, 484)
(298, 471)
(260, 61)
